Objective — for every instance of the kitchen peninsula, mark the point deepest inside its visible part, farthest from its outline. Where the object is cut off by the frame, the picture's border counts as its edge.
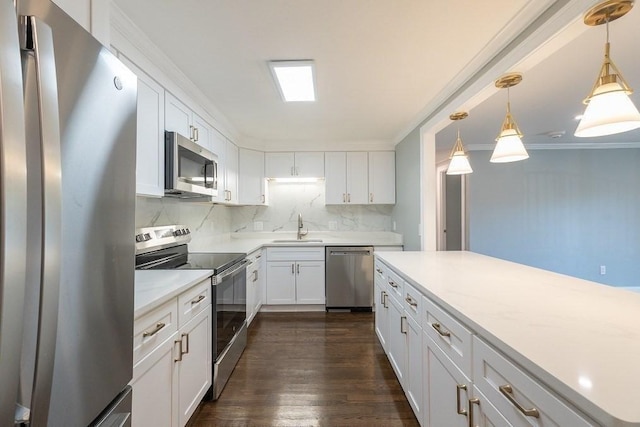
(534, 339)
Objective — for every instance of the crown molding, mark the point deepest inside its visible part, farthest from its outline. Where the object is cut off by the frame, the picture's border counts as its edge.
(562, 146)
(131, 41)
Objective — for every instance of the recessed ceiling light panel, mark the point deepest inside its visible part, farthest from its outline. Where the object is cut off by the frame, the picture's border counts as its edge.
(295, 80)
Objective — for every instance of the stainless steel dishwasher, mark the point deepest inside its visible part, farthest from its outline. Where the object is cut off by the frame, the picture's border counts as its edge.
(349, 277)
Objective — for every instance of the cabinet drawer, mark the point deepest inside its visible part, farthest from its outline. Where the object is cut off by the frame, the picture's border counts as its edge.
(412, 302)
(380, 272)
(395, 286)
(449, 334)
(306, 253)
(193, 301)
(152, 329)
(513, 392)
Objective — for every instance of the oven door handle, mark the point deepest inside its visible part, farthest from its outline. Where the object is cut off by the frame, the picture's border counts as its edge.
(240, 266)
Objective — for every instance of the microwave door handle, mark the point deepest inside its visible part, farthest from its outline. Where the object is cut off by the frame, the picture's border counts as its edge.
(40, 73)
(215, 175)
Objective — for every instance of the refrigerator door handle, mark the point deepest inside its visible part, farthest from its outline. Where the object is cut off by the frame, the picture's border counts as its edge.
(39, 61)
(13, 212)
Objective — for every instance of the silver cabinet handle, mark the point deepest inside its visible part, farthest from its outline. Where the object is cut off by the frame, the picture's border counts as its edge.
(187, 346)
(473, 401)
(293, 271)
(264, 200)
(459, 388)
(438, 327)
(255, 276)
(344, 198)
(393, 284)
(292, 174)
(379, 270)
(410, 300)
(298, 268)
(370, 197)
(192, 133)
(196, 134)
(385, 300)
(180, 353)
(42, 115)
(154, 331)
(403, 321)
(382, 297)
(197, 300)
(348, 197)
(507, 391)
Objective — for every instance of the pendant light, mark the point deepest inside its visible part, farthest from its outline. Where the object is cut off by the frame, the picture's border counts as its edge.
(459, 161)
(609, 109)
(509, 147)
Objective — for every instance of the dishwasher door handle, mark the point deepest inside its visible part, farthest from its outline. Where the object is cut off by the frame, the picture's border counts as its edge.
(350, 253)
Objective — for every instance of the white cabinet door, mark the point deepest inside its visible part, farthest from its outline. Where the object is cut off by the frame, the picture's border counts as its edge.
(262, 282)
(281, 282)
(150, 135)
(231, 173)
(446, 389)
(382, 177)
(381, 314)
(309, 165)
(484, 413)
(251, 182)
(335, 173)
(310, 282)
(397, 350)
(357, 178)
(413, 380)
(153, 393)
(194, 368)
(251, 277)
(177, 116)
(202, 132)
(279, 165)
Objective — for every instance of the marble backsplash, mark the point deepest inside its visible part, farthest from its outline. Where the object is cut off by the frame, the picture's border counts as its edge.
(212, 223)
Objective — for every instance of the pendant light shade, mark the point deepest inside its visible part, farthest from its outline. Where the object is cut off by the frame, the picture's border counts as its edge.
(609, 108)
(459, 161)
(509, 146)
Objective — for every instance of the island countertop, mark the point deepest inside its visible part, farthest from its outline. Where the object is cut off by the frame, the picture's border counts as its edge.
(580, 338)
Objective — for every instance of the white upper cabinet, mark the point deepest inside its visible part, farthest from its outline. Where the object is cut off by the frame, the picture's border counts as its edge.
(382, 177)
(346, 177)
(150, 135)
(230, 193)
(251, 182)
(294, 165)
(178, 117)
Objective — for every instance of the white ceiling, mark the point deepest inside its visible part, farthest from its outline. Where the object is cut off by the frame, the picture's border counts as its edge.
(551, 93)
(379, 63)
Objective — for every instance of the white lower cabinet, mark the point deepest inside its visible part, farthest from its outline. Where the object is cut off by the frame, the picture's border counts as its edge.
(255, 279)
(172, 373)
(295, 276)
(451, 376)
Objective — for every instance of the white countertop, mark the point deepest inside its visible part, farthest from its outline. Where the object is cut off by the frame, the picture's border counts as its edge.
(249, 242)
(580, 338)
(154, 287)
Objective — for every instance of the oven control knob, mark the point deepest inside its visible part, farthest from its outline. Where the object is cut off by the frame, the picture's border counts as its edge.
(138, 237)
(147, 236)
(187, 231)
(177, 233)
(184, 232)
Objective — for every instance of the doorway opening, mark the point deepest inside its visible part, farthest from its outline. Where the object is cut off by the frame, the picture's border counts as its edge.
(451, 216)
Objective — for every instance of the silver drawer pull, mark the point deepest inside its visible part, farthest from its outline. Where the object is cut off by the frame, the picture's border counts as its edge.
(180, 352)
(507, 391)
(473, 401)
(411, 302)
(197, 300)
(154, 331)
(459, 387)
(379, 270)
(187, 346)
(438, 328)
(392, 283)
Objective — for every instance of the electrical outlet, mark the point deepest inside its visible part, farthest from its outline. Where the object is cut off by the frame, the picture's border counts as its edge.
(603, 270)
(257, 226)
(333, 225)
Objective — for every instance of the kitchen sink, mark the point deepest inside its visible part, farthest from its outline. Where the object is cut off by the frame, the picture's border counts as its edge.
(298, 241)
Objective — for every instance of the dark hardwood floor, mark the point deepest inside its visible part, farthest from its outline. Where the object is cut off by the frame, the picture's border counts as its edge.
(310, 369)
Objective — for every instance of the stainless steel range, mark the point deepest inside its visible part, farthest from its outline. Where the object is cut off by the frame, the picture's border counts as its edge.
(165, 248)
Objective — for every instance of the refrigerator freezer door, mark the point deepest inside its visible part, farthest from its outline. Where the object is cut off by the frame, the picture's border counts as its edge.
(13, 211)
(97, 107)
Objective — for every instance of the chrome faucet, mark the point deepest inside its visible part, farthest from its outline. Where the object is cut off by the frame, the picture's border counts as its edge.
(301, 233)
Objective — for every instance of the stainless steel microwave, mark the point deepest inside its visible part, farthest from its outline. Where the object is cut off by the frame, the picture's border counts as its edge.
(191, 171)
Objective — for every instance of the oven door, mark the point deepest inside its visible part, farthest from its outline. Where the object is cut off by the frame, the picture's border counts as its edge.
(231, 305)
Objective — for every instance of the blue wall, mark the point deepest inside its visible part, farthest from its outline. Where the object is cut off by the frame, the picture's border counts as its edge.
(568, 211)
(406, 212)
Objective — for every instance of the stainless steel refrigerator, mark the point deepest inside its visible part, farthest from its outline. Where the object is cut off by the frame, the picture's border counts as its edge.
(67, 201)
